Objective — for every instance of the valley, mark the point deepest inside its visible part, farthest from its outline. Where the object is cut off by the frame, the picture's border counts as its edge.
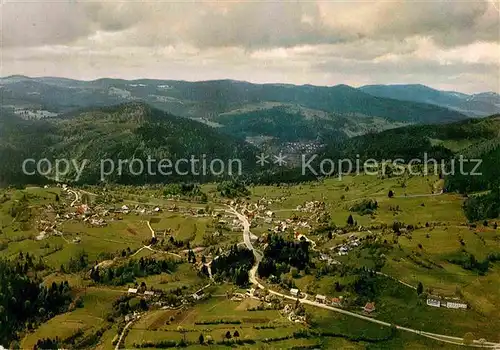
(351, 263)
(250, 175)
(117, 230)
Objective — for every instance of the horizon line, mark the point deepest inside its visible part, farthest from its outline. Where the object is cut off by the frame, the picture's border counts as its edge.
(245, 81)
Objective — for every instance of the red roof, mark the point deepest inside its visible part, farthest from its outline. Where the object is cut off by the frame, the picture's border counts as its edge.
(370, 307)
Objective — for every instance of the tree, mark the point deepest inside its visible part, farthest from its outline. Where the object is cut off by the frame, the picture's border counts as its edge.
(468, 338)
(228, 335)
(143, 304)
(396, 227)
(201, 339)
(236, 334)
(183, 331)
(391, 194)
(14, 345)
(420, 288)
(350, 220)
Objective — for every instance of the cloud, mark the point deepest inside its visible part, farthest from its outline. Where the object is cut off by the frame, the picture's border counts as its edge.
(436, 42)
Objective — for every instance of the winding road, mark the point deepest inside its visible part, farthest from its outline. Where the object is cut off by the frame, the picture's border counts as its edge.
(123, 334)
(253, 279)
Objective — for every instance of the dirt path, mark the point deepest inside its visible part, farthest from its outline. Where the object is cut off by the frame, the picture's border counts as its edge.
(153, 235)
(123, 334)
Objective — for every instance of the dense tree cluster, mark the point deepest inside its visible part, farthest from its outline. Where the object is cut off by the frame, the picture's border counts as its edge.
(469, 262)
(232, 189)
(47, 344)
(189, 190)
(128, 272)
(489, 170)
(78, 263)
(365, 207)
(281, 254)
(282, 125)
(234, 265)
(483, 207)
(24, 300)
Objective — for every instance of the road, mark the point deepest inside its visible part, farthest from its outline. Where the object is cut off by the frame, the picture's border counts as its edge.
(253, 279)
(395, 279)
(153, 235)
(148, 247)
(252, 274)
(123, 334)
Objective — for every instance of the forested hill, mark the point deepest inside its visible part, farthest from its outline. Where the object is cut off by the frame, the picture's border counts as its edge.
(474, 105)
(126, 131)
(470, 136)
(208, 99)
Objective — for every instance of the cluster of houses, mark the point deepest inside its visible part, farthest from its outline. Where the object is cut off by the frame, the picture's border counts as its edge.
(318, 298)
(311, 207)
(337, 302)
(344, 249)
(289, 223)
(146, 293)
(292, 316)
(437, 302)
(301, 147)
(328, 259)
(263, 202)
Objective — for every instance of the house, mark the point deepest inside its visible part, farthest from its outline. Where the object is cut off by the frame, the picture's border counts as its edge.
(320, 299)
(434, 302)
(369, 308)
(453, 305)
(83, 209)
(132, 290)
(294, 292)
(336, 301)
(197, 296)
(149, 293)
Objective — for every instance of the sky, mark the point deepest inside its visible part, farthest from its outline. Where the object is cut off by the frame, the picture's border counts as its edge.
(449, 45)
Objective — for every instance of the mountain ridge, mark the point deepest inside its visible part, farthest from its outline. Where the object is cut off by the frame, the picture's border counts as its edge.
(474, 105)
(207, 99)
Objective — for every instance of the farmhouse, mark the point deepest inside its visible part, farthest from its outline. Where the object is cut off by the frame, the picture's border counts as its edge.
(320, 299)
(434, 302)
(132, 290)
(336, 301)
(199, 295)
(294, 292)
(369, 308)
(454, 305)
